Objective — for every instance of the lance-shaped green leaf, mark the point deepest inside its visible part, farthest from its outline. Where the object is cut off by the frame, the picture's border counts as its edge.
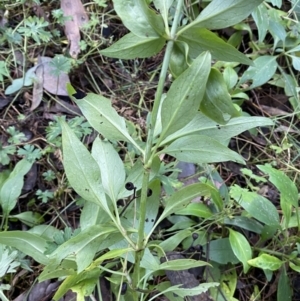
(12, 187)
(241, 248)
(201, 149)
(139, 18)
(221, 14)
(261, 18)
(131, 46)
(81, 242)
(104, 118)
(262, 71)
(287, 188)
(217, 103)
(179, 60)
(81, 169)
(256, 205)
(203, 125)
(184, 97)
(111, 167)
(181, 264)
(80, 283)
(163, 6)
(29, 243)
(202, 39)
(181, 198)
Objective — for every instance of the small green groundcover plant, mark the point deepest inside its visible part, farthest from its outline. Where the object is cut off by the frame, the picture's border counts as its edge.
(192, 122)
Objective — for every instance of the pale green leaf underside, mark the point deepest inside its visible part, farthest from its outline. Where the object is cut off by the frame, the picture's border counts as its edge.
(201, 39)
(203, 125)
(262, 71)
(139, 18)
(104, 118)
(185, 94)
(201, 149)
(258, 206)
(30, 244)
(111, 167)
(131, 46)
(224, 13)
(81, 169)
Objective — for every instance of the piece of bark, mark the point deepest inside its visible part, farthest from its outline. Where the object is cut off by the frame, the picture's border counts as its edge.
(74, 9)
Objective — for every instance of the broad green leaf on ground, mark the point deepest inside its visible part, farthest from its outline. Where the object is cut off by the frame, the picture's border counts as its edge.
(30, 244)
(179, 60)
(104, 118)
(181, 198)
(261, 18)
(131, 46)
(201, 39)
(221, 14)
(217, 103)
(201, 149)
(262, 71)
(185, 95)
(111, 167)
(221, 252)
(81, 169)
(258, 206)
(203, 125)
(287, 188)
(266, 262)
(12, 187)
(139, 18)
(163, 7)
(241, 248)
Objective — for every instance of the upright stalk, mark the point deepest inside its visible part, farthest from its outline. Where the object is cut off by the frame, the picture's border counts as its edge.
(148, 153)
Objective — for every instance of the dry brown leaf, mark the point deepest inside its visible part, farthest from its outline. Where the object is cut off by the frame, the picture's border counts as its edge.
(37, 93)
(53, 84)
(75, 9)
(46, 80)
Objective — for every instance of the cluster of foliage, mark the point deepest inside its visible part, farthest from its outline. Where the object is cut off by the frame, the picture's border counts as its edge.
(193, 122)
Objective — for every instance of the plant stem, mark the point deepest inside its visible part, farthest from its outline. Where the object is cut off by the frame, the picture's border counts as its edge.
(157, 100)
(148, 152)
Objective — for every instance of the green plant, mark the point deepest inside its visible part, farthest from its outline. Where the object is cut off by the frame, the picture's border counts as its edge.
(193, 122)
(44, 196)
(275, 51)
(11, 184)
